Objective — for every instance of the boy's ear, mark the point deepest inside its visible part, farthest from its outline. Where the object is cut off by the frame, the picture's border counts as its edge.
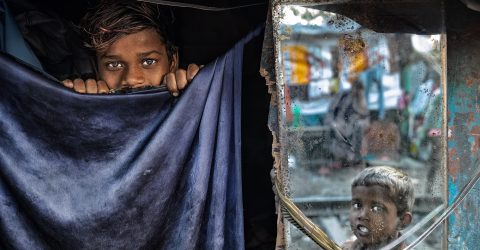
(405, 220)
(174, 62)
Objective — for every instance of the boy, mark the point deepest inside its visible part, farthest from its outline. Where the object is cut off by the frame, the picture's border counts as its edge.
(382, 202)
(133, 49)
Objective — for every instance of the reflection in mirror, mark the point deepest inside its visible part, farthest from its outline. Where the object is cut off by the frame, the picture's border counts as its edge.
(354, 99)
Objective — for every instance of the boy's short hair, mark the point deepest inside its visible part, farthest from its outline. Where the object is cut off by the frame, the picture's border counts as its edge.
(396, 181)
(113, 19)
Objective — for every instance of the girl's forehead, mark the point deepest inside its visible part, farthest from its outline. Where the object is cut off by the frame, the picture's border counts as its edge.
(146, 40)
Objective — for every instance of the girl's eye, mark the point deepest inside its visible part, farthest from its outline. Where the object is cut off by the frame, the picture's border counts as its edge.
(114, 65)
(356, 205)
(377, 209)
(148, 62)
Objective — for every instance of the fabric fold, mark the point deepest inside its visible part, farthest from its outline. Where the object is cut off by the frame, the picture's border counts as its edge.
(141, 171)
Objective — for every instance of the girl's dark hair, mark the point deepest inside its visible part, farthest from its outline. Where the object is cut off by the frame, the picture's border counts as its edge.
(113, 19)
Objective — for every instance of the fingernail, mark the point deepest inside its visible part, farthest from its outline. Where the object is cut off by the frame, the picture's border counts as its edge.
(175, 94)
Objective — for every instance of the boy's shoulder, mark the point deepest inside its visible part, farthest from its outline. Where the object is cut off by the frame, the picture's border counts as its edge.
(347, 245)
(350, 244)
(354, 244)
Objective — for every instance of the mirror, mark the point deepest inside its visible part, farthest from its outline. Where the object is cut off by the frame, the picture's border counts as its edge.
(360, 85)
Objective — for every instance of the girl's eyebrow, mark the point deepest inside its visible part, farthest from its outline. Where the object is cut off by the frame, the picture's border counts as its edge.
(143, 54)
(109, 57)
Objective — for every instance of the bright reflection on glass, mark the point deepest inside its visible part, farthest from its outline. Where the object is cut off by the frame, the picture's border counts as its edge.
(425, 44)
(354, 99)
(296, 15)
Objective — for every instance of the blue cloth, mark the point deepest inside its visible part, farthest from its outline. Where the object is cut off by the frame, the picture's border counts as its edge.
(372, 76)
(11, 40)
(138, 171)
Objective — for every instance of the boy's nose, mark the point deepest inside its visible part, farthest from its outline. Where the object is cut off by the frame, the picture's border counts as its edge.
(363, 214)
(133, 77)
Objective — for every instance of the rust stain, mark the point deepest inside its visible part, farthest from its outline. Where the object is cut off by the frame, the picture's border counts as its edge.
(469, 82)
(454, 163)
(475, 131)
(471, 117)
(265, 74)
(475, 147)
(472, 78)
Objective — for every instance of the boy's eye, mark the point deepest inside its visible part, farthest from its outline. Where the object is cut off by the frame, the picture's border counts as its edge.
(377, 209)
(356, 205)
(114, 65)
(148, 62)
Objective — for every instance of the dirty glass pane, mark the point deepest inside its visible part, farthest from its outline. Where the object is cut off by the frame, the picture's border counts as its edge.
(360, 91)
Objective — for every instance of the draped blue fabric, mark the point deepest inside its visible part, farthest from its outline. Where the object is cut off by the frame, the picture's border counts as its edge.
(11, 40)
(137, 171)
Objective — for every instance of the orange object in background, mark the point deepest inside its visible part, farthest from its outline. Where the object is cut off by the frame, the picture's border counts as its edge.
(297, 56)
(355, 51)
(358, 63)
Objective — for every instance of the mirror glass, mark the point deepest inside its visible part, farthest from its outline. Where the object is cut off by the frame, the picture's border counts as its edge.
(359, 91)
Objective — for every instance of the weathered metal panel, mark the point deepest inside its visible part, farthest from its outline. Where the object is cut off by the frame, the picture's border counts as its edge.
(463, 90)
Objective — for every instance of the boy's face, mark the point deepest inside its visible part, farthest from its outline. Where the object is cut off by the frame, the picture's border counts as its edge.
(136, 60)
(373, 215)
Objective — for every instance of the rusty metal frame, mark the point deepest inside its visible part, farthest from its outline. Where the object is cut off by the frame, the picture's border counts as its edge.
(270, 66)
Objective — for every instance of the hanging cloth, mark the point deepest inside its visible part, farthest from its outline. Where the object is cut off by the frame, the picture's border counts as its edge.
(11, 40)
(138, 171)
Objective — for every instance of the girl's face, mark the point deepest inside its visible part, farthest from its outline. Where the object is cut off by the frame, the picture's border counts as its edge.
(135, 60)
(373, 215)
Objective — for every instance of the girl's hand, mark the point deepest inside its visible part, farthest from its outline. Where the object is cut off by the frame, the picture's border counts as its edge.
(174, 81)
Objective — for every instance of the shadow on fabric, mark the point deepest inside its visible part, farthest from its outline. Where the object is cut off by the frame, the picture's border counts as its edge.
(121, 171)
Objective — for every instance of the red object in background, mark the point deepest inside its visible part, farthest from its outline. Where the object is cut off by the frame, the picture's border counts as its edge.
(288, 105)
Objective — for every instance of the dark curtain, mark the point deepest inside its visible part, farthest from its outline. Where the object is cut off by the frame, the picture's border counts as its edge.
(137, 171)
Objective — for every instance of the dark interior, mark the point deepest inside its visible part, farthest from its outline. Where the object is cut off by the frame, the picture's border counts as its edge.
(202, 36)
